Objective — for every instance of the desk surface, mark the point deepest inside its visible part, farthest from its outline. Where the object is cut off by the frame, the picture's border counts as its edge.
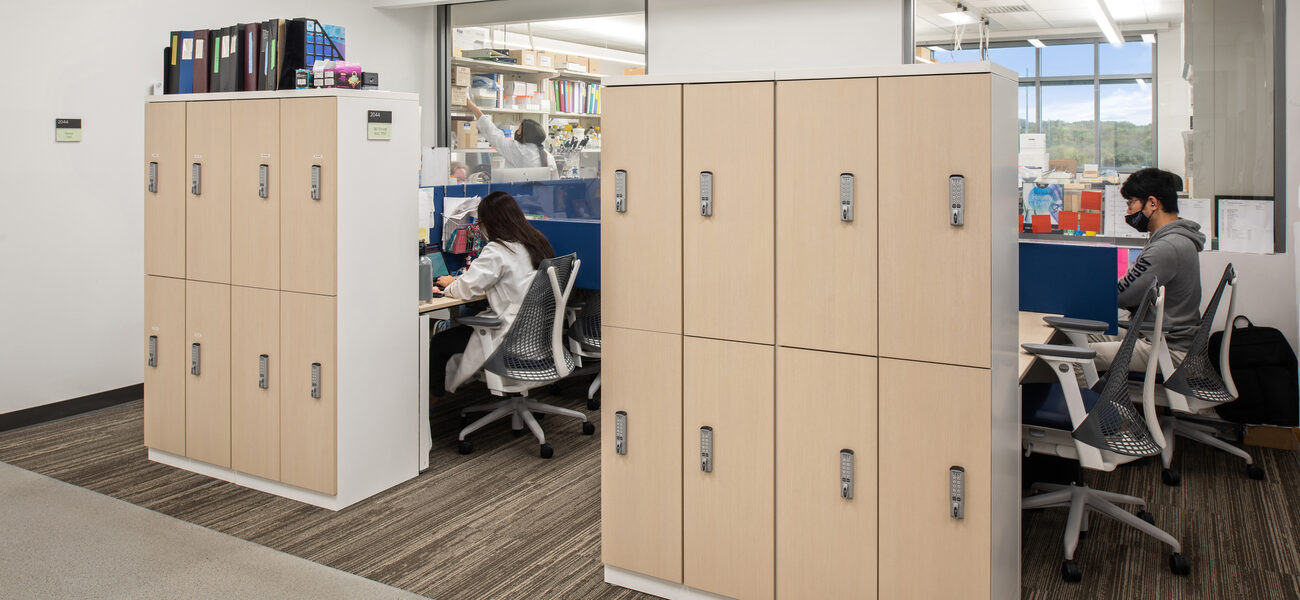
(445, 302)
(1032, 331)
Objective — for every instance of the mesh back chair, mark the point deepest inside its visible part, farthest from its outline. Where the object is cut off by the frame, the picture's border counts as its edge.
(584, 341)
(1099, 427)
(531, 354)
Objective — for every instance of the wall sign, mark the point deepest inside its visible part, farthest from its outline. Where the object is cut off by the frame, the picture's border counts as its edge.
(379, 124)
(67, 130)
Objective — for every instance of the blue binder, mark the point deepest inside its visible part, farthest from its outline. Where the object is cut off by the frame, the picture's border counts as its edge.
(187, 63)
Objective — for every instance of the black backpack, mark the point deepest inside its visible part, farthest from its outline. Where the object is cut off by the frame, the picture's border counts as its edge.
(1264, 371)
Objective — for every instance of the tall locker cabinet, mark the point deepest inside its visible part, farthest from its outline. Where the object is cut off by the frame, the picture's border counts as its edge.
(281, 357)
(166, 182)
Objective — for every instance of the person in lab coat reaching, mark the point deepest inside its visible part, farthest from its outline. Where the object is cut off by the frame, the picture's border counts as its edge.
(503, 272)
(522, 151)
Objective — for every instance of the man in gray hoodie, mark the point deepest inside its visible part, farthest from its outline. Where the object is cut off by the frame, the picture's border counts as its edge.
(1171, 256)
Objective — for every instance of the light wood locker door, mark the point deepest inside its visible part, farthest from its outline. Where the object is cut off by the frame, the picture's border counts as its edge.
(641, 489)
(254, 391)
(166, 362)
(934, 277)
(254, 219)
(825, 543)
(309, 220)
(728, 513)
(207, 393)
(816, 247)
(728, 270)
(207, 214)
(308, 421)
(932, 418)
(166, 177)
(641, 247)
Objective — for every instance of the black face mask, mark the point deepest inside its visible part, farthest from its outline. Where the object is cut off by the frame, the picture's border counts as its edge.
(1138, 220)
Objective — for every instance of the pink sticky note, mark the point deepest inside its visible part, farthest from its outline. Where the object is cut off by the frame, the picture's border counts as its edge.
(1122, 254)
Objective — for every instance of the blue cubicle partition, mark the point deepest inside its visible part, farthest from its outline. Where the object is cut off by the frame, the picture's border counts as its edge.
(582, 237)
(1070, 279)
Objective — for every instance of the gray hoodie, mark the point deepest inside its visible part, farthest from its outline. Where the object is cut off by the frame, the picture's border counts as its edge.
(1172, 256)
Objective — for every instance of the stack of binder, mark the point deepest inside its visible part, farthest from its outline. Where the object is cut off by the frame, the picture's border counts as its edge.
(247, 56)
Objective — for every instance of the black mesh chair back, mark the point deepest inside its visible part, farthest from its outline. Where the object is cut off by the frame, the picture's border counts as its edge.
(528, 350)
(1196, 376)
(586, 329)
(1113, 424)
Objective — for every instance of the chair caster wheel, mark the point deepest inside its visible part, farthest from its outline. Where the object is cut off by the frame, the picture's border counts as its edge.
(588, 428)
(593, 404)
(1071, 572)
(1179, 564)
(466, 446)
(1171, 477)
(1255, 472)
(1148, 517)
(516, 432)
(547, 451)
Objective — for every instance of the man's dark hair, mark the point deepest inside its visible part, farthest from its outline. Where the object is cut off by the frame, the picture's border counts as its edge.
(1163, 185)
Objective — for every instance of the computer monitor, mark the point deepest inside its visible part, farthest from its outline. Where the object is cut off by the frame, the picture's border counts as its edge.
(439, 265)
(524, 174)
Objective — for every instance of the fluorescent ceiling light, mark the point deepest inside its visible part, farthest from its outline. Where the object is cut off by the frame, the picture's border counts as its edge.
(1036, 43)
(936, 49)
(959, 17)
(1148, 38)
(1106, 23)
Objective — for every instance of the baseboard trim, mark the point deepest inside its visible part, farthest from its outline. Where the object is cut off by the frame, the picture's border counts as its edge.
(67, 408)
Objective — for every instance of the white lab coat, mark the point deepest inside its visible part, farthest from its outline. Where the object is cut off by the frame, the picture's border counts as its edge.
(503, 271)
(517, 155)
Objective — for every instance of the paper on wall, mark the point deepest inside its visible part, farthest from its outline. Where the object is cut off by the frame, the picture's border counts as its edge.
(426, 209)
(1246, 226)
(1116, 207)
(1201, 211)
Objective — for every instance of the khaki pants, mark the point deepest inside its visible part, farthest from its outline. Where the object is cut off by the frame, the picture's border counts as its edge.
(1107, 346)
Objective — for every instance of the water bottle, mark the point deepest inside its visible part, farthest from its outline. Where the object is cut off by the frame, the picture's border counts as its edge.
(426, 276)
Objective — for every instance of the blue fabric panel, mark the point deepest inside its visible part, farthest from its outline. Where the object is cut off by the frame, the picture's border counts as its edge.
(582, 237)
(1043, 405)
(1071, 280)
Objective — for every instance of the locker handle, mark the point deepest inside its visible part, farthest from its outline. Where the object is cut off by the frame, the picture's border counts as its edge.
(153, 177)
(846, 474)
(846, 197)
(620, 432)
(706, 449)
(315, 380)
(263, 367)
(153, 351)
(263, 177)
(620, 191)
(706, 193)
(194, 359)
(196, 179)
(315, 182)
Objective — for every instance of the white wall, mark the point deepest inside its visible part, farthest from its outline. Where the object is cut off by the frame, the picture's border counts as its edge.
(694, 36)
(71, 249)
(1173, 108)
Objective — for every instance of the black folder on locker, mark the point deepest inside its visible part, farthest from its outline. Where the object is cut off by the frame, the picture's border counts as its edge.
(169, 81)
(294, 46)
(173, 65)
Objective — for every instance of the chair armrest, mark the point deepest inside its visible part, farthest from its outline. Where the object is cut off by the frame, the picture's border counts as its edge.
(1059, 351)
(1082, 325)
(477, 321)
(1146, 325)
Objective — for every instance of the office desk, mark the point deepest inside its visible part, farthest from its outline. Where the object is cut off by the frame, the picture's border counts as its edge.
(437, 308)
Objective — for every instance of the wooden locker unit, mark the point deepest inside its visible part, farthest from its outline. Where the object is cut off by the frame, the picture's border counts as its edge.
(207, 214)
(825, 544)
(728, 269)
(254, 398)
(164, 203)
(729, 513)
(309, 224)
(164, 379)
(207, 394)
(816, 248)
(308, 424)
(641, 490)
(643, 138)
(254, 220)
(933, 417)
(935, 277)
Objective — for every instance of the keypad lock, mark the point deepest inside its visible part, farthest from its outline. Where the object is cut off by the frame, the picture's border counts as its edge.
(706, 449)
(957, 492)
(706, 194)
(620, 191)
(846, 474)
(620, 432)
(957, 200)
(153, 351)
(153, 177)
(315, 182)
(846, 197)
(194, 359)
(263, 371)
(315, 380)
(263, 178)
(196, 179)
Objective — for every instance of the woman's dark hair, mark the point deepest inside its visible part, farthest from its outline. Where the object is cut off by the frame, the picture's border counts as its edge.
(503, 220)
(531, 132)
(1145, 183)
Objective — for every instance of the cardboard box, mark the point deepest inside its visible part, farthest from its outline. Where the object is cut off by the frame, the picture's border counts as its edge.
(466, 134)
(593, 65)
(1267, 436)
(461, 76)
(526, 58)
(575, 63)
(459, 95)
(1033, 141)
(634, 71)
(546, 60)
(515, 87)
(1064, 165)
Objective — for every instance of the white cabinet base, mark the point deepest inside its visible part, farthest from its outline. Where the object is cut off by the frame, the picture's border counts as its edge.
(655, 586)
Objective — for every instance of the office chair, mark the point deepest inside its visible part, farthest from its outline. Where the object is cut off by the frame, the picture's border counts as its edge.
(584, 340)
(1100, 428)
(531, 354)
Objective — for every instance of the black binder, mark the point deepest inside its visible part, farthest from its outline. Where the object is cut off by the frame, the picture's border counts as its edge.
(294, 47)
(172, 78)
(169, 83)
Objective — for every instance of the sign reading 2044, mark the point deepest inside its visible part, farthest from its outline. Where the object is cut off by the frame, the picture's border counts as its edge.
(67, 130)
(379, 124)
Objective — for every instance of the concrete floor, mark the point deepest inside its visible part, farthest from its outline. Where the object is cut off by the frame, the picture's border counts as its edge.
(61, 541)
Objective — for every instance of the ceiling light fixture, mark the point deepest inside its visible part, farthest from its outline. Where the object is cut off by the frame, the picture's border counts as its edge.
(1148, 38)
(960, 16)
(1036, 43)
(1106, 23)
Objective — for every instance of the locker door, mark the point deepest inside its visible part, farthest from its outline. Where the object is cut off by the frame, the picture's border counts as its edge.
(826, 544)
(934, 276)
(164, 201)
(164, 374)
(641, 489)
(207, 394)
(308, 422)
(309, 220)
(207, 214)
(254, 220)
(933, 417)
(815, 243)
(255, 381)
(641, 247)
(728, 513)
(728, 273)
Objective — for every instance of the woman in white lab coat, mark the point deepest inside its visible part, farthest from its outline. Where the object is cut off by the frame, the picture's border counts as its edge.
(524, 150)
(503, 272)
